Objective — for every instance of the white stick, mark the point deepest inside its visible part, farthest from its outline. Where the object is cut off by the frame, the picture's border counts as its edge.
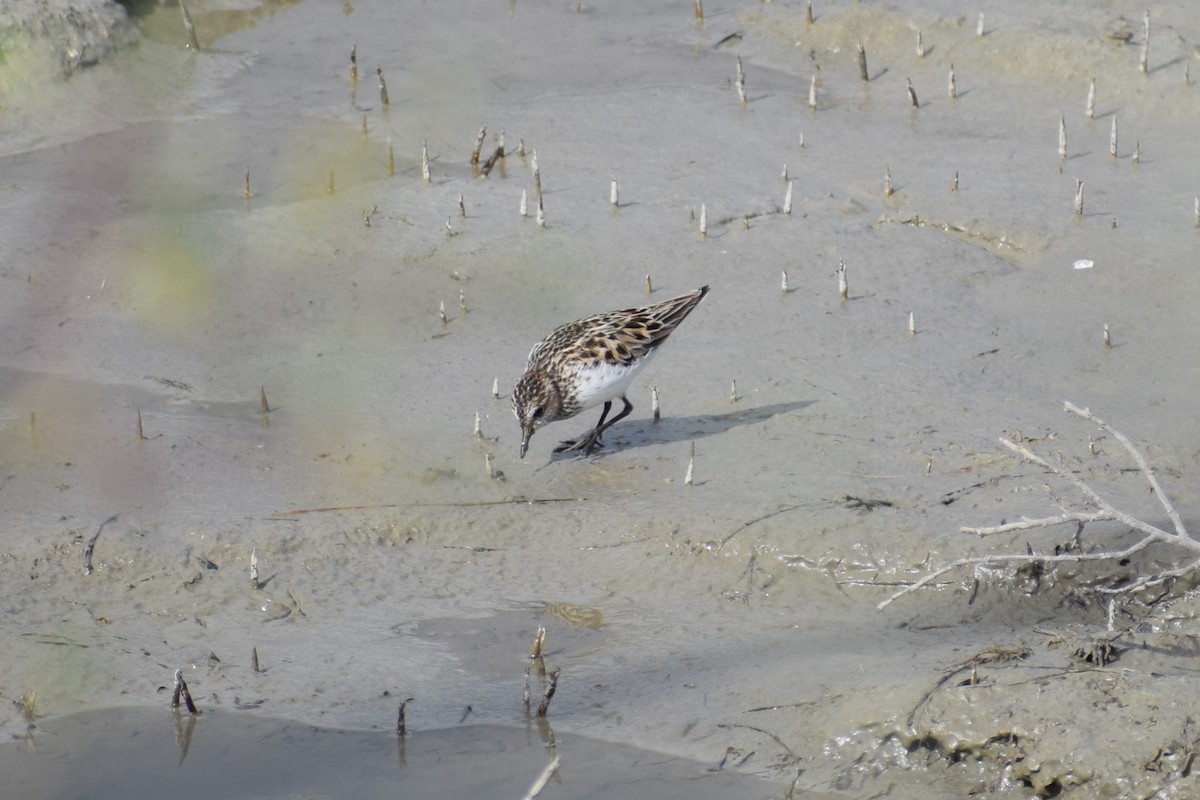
(783, 284)
(812, 93)
(1062, 137)
(613, 196)
(524, 208)
(979, 27)
(843, 287)
(1091, 99)
(1112, 138)
(1144, 61)
(703, 221)
(787, 199)
(495, 388)
(425, 173)
(544, 777)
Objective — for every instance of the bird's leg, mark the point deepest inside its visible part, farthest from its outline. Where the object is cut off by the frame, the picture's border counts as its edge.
(591, 441)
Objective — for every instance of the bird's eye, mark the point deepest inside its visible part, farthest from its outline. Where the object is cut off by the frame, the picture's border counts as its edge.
(537, 413)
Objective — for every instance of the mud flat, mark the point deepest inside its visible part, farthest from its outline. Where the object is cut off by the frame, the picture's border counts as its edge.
(238, 320)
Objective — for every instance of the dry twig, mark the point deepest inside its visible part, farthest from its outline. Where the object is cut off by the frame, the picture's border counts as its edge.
(1097, 509)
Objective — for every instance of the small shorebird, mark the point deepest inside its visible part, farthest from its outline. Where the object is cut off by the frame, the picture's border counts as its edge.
(593, 361)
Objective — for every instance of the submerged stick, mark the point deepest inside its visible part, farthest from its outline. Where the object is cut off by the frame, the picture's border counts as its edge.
(537, 174)
(383, 92)
(535, 649)
(551, 687)
(863, 75)
(401, 726)
(194, 44)
(495, 158)
(540, 782)
(181, 688)
(478, 145)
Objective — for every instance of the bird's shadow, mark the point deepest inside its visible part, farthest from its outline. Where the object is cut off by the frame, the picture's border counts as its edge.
(668, 430)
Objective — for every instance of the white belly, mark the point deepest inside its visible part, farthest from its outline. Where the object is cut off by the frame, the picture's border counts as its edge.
(605, 382)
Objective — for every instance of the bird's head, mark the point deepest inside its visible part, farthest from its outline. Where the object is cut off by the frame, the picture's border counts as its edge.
(535, 402)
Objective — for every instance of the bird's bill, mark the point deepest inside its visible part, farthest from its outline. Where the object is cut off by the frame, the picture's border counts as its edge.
(525, 434)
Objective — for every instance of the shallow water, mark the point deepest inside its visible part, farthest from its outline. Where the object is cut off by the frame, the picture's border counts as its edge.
(144, 753)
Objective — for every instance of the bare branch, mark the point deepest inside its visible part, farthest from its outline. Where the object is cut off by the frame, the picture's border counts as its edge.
(1044, 522)
(1019, 558)
(1096, 509)
(1176, 520)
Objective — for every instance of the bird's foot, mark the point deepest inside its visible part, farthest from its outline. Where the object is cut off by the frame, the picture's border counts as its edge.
(587, 444)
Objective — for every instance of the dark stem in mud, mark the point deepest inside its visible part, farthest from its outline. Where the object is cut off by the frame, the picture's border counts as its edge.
(91, 545)
(544, 706)
(401, 725)
(181, 690)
